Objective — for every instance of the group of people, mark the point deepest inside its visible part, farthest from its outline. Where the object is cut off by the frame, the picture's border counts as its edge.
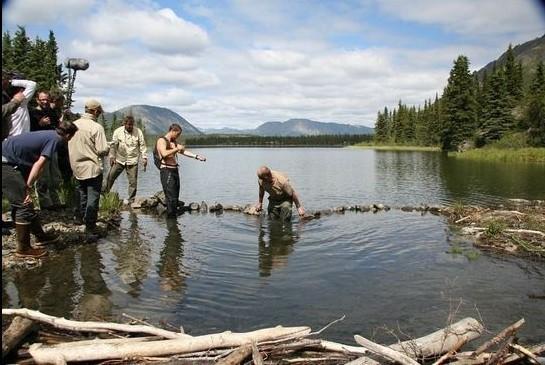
(41, 146)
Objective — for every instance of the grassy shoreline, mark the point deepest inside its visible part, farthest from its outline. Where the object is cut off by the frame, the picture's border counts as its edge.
(528, 154)
(395, 147)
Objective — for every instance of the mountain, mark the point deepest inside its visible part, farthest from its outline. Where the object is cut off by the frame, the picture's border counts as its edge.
(156, 119)
(296, 127)
(529, 54)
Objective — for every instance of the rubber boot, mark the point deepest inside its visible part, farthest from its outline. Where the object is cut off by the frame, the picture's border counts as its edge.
(42, 238)
(23, 242)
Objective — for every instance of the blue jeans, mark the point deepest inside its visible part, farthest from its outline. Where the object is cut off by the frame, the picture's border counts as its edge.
(89, 198)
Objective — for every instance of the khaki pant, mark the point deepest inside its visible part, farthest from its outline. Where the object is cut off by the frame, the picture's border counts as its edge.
(280, 209)
(132, 176)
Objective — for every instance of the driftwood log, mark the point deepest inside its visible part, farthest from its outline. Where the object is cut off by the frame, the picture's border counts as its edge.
(98, 327)
(104, 351)
(442, 341)
(19, 328)
(385, 352)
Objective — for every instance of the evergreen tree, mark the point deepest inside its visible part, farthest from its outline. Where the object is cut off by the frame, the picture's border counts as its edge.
(534, 113)
(459, 101)
(21, 49)
(381, 128)
(7, 52)
(513, 77)
(497, 117)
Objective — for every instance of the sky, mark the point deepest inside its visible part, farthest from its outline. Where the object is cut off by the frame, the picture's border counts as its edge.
(241, 63)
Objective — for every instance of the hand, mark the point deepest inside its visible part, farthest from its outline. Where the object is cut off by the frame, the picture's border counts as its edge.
(112, 161)
(44, 121)
(301, 211)
(180, 148)
(258, 207)
(28, 198)
(19, 97)
(145, 163)
(200, 158)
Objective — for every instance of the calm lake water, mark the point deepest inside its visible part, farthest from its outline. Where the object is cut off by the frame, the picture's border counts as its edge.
(210, 273)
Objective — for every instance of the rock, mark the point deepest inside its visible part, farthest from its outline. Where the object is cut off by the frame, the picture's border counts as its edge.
(407, 209)
(216, 207)
(160, 196)
(379, 206)
(326, 212)
(340, 209)
(364, 208)
(160, 209)
(194, 206)
(250, 209)
(352, 208)
(204, 207)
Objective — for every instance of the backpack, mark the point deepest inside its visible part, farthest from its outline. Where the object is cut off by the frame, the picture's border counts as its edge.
(157, 159)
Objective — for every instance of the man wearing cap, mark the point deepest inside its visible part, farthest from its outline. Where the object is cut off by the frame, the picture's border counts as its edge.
(86, 150)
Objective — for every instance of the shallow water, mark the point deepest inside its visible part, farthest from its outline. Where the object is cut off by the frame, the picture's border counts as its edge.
(211, 273)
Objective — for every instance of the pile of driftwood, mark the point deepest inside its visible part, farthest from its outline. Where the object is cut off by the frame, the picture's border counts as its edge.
(115, 343)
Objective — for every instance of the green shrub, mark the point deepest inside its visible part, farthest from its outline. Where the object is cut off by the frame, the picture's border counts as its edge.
(110, 203)
(495, 227)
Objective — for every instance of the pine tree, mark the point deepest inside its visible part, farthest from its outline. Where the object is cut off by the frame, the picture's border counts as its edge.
(21, 49)
(381, 128)
(7, 52)
(459, 101)
(497, 117)
(513, 77)
(534, 113)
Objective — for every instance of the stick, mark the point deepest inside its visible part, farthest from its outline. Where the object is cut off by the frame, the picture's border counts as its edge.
(386, 352)
(237, 356)
(328, 325)
(496, 357)
(462, 219)
(452, 351)
(363, 361)
(525, 352)
(508, 331)
(91, 326)
(18, 329)
(256, 356)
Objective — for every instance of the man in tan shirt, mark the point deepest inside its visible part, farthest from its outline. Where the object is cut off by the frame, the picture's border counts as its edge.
(86, 150)
(281, 194)
(128, 145)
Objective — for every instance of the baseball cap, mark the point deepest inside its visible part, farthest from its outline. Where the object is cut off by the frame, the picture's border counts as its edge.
(93, 104)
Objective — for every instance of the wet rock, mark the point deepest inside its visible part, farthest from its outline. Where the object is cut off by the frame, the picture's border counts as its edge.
(386, 208)
(378, 206)
(364, 208)
(204, 207)
(194, 206)
(326, 212)
(435, 210)
(216, 207)
(352, 208)
(407, 208)
(340, 209)
(250, 209)
(160, 196)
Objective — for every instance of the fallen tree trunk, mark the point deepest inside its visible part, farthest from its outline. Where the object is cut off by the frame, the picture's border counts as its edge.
(442, 341)
(385, 352)
(104, 351)
(18, 329)
(98, 327)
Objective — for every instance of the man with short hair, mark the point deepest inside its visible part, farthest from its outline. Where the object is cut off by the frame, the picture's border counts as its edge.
(167, 149)
(281, 194)
(127, 146)
(43, 117)
(86, 151)
(23, 160)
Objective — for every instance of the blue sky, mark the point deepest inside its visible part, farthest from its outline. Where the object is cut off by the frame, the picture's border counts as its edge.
(243, 62)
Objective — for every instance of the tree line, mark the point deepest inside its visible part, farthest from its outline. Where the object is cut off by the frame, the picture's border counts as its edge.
(247, 140)
(35, 60)
(473, 111)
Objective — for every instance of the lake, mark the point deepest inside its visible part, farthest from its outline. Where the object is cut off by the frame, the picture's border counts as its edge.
(384, 271)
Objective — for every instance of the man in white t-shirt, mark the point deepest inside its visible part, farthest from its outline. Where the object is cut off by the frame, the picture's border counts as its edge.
(20, 119)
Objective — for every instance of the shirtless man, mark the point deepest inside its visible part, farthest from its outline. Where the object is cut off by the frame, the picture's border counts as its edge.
(168, 149)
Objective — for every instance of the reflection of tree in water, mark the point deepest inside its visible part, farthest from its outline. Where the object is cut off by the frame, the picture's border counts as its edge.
(69, 284)
(133, 258)
(273, 253)
(170, 267)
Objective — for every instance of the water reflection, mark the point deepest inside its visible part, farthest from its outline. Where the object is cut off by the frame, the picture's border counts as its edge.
(69, 282)
(170, 266)
(133, 258)
(274, 249)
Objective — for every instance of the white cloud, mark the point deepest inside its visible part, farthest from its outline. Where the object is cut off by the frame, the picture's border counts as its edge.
(24, 12)
(470, 17)
(161, 30)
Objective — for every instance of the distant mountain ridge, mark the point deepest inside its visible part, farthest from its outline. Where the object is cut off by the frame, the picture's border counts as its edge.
(156, 119)
(296, 127)
(529, 54)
